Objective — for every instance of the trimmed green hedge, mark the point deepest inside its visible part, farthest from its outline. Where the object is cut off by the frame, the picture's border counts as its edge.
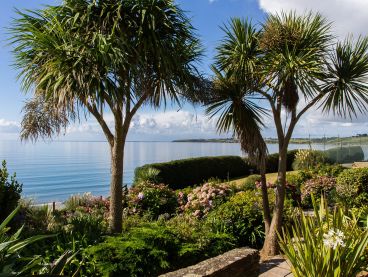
(345, 154)
(179, 174)
(272, 164)
(188, 172)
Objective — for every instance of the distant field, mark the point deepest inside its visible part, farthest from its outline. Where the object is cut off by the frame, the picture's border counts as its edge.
(327, 140)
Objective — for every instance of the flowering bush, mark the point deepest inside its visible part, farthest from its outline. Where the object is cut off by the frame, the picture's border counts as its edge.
(87, 202)
(326, 244)
(152, 198)
(204, 198)
(318, 186)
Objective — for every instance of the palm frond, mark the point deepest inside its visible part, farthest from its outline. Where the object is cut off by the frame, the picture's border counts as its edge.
(346, 85)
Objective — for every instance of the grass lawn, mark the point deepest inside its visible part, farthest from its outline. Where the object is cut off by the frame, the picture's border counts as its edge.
(271, 177)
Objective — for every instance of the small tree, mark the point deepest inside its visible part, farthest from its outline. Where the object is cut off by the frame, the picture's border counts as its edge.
(95, 56)
(294, 58)
(233, 101)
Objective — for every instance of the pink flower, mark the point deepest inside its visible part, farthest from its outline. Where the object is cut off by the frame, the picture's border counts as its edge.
(197, 213)
(140, 195)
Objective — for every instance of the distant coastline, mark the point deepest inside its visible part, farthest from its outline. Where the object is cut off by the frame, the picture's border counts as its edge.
(359, 139)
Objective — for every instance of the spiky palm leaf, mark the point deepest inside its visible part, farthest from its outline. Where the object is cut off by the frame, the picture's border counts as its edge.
(295, 49)
(346, 85)
(107, 52)
(234, 105)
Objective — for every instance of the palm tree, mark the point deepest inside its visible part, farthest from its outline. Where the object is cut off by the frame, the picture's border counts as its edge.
(234, 103)
(294, 59)
(90, 57)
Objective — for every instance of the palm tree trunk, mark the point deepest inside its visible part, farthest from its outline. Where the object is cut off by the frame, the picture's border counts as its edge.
(117, 162)
(117, 166)
(265, 202)
(271, 246)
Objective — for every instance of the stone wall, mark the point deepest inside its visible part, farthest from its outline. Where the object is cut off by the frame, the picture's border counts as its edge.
(235, 263)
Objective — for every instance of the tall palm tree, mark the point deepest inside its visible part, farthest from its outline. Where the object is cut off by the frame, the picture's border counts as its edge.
(295, 60)
(88, 56)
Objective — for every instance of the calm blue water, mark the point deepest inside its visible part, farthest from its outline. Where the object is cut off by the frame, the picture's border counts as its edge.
(54, 171)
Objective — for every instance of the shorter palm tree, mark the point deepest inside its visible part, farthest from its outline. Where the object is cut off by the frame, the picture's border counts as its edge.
(234, 105)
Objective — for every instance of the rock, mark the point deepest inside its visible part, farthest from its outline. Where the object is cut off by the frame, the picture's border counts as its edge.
(235, 263)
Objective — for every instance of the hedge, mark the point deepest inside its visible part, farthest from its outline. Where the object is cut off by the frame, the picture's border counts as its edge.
(179, 174)
(345, 154)
(188, 172)
(272, 163)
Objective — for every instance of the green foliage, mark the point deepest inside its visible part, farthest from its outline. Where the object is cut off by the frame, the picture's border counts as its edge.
(306, 159)
(345, 154)
(272, 162)
(326, 244)
(250, 182)
(352, 186)
(298, 178)
(11, 246)
(328, 170)
(10, 191)
(188, 172)
(88, 225)
(144, 251)
(180, 174)
(152, 248)
(148, 176)
(153, 199)
(241, 217)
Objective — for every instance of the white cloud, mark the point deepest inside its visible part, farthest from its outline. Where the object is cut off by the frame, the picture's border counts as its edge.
(348, 16)
(8, 126)
(172, 123)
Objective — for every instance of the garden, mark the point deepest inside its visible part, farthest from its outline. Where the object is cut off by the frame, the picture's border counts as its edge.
(92, 58)
(165, 229)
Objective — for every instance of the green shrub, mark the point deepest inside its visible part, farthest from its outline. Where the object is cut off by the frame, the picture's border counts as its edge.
(10, 191)
(306, 159)
(152, 249)
(153, 199)
(298, 178)
(328, 170)
(318, 186)
(325, 244)
(91, 226)
(250, 182)
(143, 251)
(241, 217)
(150, 175)
(180, 174)
(345, 154)
(272, 163)
(352, 186)
(199, 242)
(188, 172)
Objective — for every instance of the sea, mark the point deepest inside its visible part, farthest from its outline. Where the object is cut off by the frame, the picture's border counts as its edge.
(53, 171)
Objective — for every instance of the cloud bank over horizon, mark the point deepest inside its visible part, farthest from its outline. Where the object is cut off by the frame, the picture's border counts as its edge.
(172, 124)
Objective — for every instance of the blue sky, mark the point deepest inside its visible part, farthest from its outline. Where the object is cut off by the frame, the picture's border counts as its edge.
(350, 16)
